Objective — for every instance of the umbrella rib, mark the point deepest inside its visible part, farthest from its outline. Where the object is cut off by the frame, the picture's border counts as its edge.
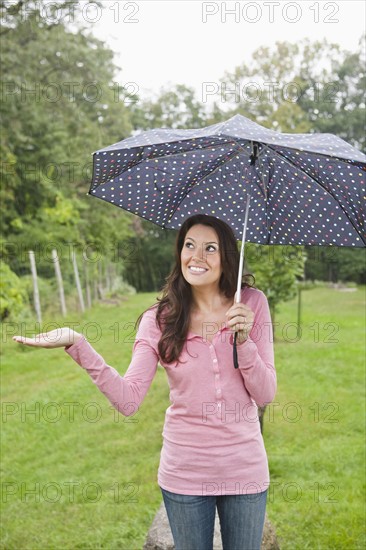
(194, 148)
(145, 160)
(322, 187)
(230, 141)
(203, 177)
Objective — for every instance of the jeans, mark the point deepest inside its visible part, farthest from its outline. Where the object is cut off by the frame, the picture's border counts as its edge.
(192, 520)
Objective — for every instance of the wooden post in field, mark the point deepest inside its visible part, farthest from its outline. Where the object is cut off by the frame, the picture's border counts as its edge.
(59, 282)
(37, 303)
(77, 281)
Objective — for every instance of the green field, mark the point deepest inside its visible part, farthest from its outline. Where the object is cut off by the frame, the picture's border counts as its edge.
(75, 474)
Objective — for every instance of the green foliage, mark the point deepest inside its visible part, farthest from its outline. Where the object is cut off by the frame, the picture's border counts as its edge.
(120, 288)
(336, 264)
(173, 108)
(60, 104)
(351, 265)
(302, 87)
(13, 296)
(276, 269)
(47, 289)
(150, 258)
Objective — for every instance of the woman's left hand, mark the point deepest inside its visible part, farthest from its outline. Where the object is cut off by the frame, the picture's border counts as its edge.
(240, 320)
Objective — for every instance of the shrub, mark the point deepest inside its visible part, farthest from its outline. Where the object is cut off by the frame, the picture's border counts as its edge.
(13, 295)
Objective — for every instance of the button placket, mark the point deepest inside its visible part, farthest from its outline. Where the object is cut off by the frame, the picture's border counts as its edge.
(218, 389)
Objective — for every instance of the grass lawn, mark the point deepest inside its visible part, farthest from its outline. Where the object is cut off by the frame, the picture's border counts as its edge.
(75, 474)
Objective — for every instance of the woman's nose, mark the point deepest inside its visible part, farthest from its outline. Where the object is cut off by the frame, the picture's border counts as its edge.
(199, 254)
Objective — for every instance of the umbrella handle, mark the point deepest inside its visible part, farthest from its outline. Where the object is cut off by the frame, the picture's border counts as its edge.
(235, 352)
(240, 276)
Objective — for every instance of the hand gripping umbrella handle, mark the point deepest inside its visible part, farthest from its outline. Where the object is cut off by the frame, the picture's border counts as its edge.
(240, 277)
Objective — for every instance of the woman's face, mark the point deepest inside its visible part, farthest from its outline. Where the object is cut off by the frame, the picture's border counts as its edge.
(200, 256)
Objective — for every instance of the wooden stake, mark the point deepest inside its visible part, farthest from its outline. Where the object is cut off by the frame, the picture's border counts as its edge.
(37, 303)
(77, 281)
(59, 282)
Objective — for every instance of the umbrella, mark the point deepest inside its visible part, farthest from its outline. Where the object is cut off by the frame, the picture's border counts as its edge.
(304, 189)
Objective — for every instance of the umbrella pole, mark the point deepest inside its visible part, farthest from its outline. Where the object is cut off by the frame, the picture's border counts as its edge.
(240, 275)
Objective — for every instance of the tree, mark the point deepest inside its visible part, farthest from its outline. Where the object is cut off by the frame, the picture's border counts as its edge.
(173, 108)
(336, 264)
(60, 104)
(303, 87)
(150, 257)
(13, 296)
(277, 270)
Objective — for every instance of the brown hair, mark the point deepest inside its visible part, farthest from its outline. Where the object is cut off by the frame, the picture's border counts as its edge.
(174, 305)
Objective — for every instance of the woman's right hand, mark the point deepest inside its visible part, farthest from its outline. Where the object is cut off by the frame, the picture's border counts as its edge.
(58, 338)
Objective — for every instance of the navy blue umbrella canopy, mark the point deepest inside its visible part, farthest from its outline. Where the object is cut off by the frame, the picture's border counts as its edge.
(305, 189)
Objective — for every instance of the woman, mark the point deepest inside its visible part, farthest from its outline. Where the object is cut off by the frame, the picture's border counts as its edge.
(213, 453)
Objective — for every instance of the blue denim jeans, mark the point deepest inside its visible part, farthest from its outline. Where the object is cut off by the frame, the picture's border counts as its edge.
(192, 520)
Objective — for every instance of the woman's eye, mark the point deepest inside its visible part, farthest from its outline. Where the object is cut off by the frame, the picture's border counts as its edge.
(211, 248)
(189, 245)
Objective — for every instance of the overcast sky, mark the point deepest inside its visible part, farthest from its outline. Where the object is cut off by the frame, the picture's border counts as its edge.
(192, 42)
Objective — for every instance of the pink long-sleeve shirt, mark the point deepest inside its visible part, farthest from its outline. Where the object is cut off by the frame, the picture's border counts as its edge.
(212, 444)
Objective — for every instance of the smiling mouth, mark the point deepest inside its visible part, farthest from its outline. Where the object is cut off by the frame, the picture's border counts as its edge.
(195, 269)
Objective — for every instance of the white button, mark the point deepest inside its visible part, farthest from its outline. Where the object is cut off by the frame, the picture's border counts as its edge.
(215, 360)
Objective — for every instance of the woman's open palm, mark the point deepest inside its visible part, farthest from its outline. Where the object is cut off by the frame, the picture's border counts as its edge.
(57, 338)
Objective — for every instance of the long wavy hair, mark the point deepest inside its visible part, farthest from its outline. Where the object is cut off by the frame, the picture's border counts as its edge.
(174, 305)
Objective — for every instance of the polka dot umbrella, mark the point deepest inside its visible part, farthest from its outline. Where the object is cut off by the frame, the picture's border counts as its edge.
(304, 189)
